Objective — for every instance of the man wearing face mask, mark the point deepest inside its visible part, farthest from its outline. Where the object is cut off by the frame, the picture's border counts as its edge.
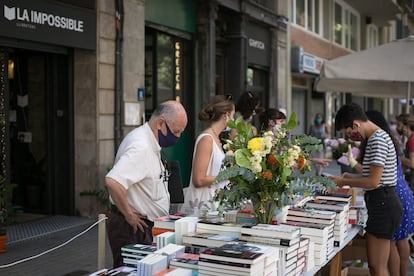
(138, 182)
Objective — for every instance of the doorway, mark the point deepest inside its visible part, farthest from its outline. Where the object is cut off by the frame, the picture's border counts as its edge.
(40, 131)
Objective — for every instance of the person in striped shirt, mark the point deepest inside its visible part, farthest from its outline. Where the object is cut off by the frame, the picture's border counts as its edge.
(378, 179)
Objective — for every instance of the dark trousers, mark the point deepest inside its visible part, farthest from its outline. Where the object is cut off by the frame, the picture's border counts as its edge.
(120, 233)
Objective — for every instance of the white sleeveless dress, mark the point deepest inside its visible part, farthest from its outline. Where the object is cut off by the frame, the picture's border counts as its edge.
(204, 194)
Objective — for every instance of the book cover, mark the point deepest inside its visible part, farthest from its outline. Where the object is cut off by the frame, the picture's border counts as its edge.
(186, 260)
(328, 205)
(218, 226)
(139, 248)
(236, 253)
(312, 229)
(208, 239)
(167, 222)
(269, 241)
(311, 213)
(309, 219)
(272, 231)
(335, 197)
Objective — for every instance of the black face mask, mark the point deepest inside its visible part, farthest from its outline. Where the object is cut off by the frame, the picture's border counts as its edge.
(400, 132)
(167, 140)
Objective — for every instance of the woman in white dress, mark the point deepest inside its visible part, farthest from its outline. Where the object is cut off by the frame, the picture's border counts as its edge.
(208, 154)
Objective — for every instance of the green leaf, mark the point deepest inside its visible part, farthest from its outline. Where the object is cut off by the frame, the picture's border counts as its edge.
(291, 124)
(242, 158)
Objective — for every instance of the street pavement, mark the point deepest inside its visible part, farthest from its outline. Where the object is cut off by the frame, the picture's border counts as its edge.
(77, 258)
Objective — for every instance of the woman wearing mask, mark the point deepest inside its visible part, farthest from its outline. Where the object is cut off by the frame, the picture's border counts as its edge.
(320, 131)
(208, 154)
(271, 119)
(400, 248)
(405, 127)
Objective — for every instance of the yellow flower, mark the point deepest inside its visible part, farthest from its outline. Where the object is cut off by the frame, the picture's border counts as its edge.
(255, 144)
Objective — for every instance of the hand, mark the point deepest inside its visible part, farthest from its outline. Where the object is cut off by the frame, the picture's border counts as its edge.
(337, 180)
(351, 160)
(136, 221)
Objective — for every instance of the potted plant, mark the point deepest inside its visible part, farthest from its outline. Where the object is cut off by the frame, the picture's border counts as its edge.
(6, 192)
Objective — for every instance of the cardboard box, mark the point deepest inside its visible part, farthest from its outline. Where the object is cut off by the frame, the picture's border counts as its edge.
(355, 271)
(355, 251)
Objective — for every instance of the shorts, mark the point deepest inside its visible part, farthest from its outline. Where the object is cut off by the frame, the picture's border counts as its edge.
(384, 212)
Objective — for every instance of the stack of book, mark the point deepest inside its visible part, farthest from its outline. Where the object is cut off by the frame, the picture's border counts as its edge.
(207, 239)
(239, 259)
(164, 224)
(186, 260)
(184, 226)
(303, 253)
(173, 271)
(164, 238)
(285, 238)
(322, 235)
(133, 253)
(342, 217)
(218, 226)
(171, 250)
(152, 264)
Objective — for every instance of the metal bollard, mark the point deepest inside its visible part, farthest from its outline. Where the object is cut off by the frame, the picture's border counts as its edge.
(101, 241)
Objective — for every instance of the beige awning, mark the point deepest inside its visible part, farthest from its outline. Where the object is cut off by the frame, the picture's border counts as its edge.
(385, 71)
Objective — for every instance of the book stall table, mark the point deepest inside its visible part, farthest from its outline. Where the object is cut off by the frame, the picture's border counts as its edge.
(336, 262)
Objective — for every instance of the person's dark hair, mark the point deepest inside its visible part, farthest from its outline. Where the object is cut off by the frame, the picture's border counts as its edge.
(377, 118)
(347, 114)
(407, 120)
(270, 114)
(247, 104)
(217, 106)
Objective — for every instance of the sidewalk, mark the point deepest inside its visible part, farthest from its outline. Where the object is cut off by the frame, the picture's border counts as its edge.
(79, 257)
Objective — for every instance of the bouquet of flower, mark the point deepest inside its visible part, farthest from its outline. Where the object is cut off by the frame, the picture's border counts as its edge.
(267, 169)
(340, 146)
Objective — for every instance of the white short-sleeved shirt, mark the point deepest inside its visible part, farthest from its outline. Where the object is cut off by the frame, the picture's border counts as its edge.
(139, 169)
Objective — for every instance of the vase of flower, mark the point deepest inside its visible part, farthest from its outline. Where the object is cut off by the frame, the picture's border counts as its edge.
(264, 211)
(267, 169)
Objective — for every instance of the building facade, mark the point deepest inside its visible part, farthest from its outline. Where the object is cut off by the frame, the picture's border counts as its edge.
(76, 76)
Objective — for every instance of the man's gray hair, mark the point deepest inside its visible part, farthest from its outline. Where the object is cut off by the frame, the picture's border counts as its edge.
(168, 109)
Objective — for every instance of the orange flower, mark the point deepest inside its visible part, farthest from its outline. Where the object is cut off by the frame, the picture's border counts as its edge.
(267, 175)
(271, 160)
(301, 163)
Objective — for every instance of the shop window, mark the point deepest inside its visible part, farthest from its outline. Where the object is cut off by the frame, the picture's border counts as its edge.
(167, 66)
(346, 26)
(308, 14)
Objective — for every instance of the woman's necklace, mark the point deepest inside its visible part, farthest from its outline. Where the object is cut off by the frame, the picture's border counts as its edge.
(214, 132)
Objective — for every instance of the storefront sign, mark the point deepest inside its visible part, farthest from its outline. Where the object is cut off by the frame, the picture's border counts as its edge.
(48, 22)
(177, 66)
(258, 45)
(304, 62)
(311, 63)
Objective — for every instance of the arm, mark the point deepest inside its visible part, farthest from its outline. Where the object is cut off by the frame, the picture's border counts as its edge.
(369, 182)
(408, 162)
(202, 156)
(119, 194)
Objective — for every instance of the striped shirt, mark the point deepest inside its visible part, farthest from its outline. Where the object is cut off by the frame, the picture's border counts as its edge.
(380, 151)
